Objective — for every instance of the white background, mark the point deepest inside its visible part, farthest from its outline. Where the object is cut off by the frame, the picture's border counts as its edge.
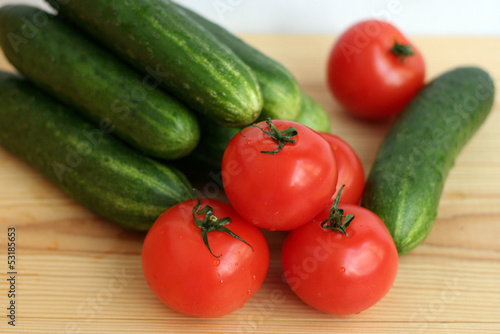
(417, 17)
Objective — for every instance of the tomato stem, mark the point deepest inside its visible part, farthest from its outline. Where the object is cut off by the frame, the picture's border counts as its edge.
(281, 137)
(337, 221)
(211, 223)
(402, 51)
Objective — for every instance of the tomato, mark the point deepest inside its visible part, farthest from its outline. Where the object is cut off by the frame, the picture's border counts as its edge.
(374, 70)
(337, 273)
(284, 190)
(350, 169)
(199, 280)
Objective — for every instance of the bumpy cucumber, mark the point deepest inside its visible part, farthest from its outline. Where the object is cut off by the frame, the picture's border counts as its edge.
(158, 38)
(313, 115)
(93, 167)
(407, 178)
(280, 90)
(65, 63)
(213, 142)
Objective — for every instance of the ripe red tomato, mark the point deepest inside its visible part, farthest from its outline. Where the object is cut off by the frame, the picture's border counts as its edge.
(278, 191)
(341, 274)
(351, 173)
(371, 72)
(181, 271)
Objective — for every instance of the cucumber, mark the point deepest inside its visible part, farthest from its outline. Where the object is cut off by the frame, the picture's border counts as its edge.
(280, 90)
(161, 40)
(65, 63)
(407, 178)
(92, 166)
(215, 137)
(313, 115)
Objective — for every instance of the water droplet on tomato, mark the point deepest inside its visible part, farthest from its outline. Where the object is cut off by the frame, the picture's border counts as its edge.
(254, 277)
(216, 262)
(221, 281)
(342, 269)
(249, 291)
(236, 264)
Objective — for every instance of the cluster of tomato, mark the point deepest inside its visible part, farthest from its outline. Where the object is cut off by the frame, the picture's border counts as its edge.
(207, 257)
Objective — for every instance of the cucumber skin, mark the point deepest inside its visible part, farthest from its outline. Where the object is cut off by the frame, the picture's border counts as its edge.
(108, 178)
(72, 68)
(213, 141)
(280, 90)
(156, 37)
(407, 178)
(313, 115)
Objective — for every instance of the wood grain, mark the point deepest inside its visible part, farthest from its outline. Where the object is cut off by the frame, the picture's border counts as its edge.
(80, 274)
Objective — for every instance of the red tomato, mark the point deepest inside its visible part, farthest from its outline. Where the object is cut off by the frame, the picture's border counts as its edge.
(278, 191)
(184, 275)
(351, 174)
(340, 274)
(369, 74)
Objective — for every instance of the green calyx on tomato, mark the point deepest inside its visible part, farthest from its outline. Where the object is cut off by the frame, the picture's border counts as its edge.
(402, 50)
(336, 221)
(280, 136)
(211, 223)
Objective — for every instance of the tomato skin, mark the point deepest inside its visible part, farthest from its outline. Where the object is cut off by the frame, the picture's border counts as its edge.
(350, 169)
(366, 78)
(337, 274)
(280, 191)
(182, 273)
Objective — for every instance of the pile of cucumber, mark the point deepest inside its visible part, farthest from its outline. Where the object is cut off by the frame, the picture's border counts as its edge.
(113, 93)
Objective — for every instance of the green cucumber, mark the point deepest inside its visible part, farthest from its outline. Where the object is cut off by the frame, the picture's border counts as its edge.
(158, 38)
(92, 166)
(213, 142)
(313, 115)
(406, 181)
(280, 90)
(65, 63)
(215, 137)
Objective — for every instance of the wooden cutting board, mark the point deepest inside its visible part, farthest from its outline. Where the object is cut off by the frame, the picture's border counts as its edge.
(76, 273)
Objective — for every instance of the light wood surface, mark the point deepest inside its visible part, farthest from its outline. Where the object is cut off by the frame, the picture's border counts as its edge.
(80, 274)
